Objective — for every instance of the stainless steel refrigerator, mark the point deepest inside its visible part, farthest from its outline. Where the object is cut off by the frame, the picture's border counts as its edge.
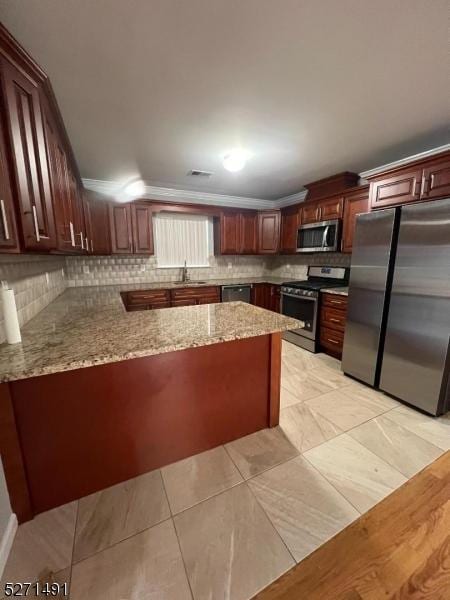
(397, 335)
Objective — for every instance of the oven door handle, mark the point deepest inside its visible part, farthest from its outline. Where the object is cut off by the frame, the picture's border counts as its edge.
(312, 299)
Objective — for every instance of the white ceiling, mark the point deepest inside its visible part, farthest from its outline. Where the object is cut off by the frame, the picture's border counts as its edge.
(153, 88)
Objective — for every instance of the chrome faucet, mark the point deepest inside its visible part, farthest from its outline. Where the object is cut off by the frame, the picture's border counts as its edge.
(184, 273)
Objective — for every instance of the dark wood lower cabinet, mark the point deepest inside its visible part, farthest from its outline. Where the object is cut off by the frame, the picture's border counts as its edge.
(333, 315)
(160, 298)
(123, 419)
(266, 295)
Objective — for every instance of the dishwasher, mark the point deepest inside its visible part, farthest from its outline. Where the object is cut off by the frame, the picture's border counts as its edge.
(236, 293)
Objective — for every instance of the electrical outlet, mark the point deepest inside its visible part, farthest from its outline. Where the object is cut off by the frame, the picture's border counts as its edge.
(86, 270)
(142, 268)
(230, 265)
(47, 278)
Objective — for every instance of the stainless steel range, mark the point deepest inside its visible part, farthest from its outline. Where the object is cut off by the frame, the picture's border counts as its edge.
(300, 300)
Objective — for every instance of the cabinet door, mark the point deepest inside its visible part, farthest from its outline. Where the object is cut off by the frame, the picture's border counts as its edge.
(396, 189)
(141, 214)
(354, 205)
(101, 235)
(275, 298)
(310, 214)
(260, 295)
(436, 180)
(79, 225)
(247, 233)
(121, 229)
(9, 241)
(268, 232)
(229, 232)
(29, 159)
(290, 221)
(59, 178)
(331, 209)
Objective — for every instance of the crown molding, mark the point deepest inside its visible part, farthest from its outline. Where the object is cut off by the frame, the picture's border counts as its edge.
(405, 161)
(114, 189)
(292, 199)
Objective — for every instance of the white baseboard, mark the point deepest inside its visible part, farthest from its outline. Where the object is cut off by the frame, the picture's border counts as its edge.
(7, 541)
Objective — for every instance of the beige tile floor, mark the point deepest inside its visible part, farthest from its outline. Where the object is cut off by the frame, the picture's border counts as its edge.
(227, 522)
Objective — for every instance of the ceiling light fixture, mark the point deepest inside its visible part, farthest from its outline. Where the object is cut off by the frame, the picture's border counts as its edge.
(235, 160)
(135, 188)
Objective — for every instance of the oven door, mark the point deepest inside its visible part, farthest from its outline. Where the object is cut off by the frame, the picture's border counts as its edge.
(303, 308)
(319, 237)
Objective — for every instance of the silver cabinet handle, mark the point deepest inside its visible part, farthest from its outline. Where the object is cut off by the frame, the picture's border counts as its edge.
(72, 233)
(5, 220)
(36, 226)
(87, 244)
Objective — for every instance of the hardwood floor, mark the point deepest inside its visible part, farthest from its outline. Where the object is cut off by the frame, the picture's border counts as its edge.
(399, 549)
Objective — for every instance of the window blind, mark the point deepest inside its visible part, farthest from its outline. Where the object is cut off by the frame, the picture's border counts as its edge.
(181, 237)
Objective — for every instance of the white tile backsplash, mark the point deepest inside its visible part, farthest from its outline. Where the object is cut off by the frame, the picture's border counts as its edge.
(36, 281)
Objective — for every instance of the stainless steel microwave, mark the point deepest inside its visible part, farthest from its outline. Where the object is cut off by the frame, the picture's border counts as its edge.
(324, 236)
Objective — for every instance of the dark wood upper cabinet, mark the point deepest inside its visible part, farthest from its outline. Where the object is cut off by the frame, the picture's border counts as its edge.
(290, 221)
(60, 185)
(331, 208)
(354, 204)
(436, 179)
(229, 233)
(100, 225)
(393, 190)
(141, 214)
(310, 213)
(248, 232)
(121, 228)
(29, 158)
(269, 231)
(9, 241)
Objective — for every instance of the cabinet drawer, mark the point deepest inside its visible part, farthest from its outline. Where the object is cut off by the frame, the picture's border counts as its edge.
(151, 306)
(148, 296)
(331, 339)
(335, 301)
(194, 292)
(184, 302)
(332, 318)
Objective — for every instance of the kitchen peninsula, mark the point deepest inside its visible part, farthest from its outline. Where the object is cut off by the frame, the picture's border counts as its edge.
(95, 395)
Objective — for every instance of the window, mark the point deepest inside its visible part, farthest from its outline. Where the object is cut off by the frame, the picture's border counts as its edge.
(181, 237)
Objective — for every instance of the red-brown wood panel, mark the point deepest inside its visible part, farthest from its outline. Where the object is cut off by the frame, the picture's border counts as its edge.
(229, 232)
(310, 213)
(393, 190)
(290, 221)
(436, 180)
(354, 205)
(121, 228)
(87, 429)
(141, 214)
(268, 232)
(9, 240)
(101, 233)
(248, 232)
(29, 158)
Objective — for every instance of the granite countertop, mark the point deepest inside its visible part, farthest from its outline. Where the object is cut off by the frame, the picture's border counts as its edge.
(339, 291)
(89, 326)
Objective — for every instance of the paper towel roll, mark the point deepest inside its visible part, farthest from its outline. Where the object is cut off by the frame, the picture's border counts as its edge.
(11, 317)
